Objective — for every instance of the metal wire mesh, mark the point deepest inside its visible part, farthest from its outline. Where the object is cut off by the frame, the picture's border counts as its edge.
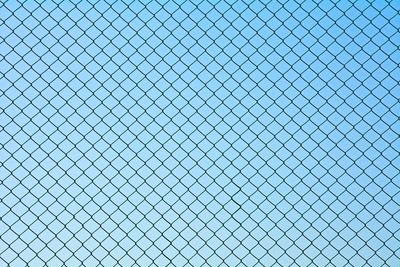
(199, 133)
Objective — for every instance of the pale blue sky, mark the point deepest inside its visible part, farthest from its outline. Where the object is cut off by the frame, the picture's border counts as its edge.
(199, 133)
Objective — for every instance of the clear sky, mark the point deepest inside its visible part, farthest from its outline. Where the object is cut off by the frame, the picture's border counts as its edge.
(199, 133)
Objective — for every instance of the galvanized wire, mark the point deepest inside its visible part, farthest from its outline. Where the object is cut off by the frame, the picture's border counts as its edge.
(199, 133)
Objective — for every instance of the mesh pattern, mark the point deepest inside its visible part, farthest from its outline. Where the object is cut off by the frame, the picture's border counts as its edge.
(199, 133)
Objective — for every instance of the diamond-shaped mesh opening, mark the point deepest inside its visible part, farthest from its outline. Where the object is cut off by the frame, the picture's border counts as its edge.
(199, 133)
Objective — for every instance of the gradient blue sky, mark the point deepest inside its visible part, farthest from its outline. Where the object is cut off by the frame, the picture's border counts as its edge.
(199, 133)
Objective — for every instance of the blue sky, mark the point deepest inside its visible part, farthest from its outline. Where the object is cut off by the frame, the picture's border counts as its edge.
(199, 133)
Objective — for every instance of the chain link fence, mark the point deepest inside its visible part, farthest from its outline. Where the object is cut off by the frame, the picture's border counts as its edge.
(199, 133)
